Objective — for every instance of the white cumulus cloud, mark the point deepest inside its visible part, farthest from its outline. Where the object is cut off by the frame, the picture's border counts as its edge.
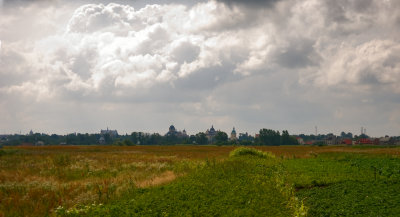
(222, 55)
(373, 62)
(108, 48)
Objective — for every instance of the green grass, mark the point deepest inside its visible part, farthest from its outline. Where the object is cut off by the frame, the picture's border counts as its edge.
(254, 183)
(239, 186)
(338, 184)
(199, 181)
(243, 151)
(353, 198)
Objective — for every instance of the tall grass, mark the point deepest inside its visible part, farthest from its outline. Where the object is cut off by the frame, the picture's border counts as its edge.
(243, 151)
(35, 181)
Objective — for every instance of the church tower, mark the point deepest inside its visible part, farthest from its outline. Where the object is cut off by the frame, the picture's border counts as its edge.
(233, 135)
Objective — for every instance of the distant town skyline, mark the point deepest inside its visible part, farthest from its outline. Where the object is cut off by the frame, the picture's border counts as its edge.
(166, 131)
(83, 65)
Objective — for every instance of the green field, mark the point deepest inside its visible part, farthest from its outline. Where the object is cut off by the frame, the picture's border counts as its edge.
(199, 181)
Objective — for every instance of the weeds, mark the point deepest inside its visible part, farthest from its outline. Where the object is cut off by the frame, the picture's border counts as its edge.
(243, 151)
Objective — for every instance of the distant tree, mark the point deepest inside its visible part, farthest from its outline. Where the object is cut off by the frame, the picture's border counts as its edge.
(128, 142)
(201, 138)
(171, 139)
(349, 135)
(155, 139)
(287, 139)
(346, 135)
(221, 137)
(269, 137)
(134, 137)
(245, 142)
(192, 139)
(107, 138)
(72, 139)
(319, 143)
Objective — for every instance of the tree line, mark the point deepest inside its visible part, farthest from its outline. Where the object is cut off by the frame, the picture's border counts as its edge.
(265, 137)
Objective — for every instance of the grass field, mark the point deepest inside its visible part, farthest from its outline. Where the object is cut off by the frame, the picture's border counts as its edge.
(198, 181)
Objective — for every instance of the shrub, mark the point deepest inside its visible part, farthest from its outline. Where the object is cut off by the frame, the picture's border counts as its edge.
(250, 151)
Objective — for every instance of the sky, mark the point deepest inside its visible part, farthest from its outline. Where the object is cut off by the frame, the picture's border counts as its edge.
(132, 65)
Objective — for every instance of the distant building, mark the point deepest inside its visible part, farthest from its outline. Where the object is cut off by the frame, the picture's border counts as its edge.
(102, 141)
(331, 140)
(347, 141)
(173, 132)
(31, 133)
(3, 138)
(300, 140)
(233, 135)
(112, 133)
(385, 140)
(210, 133)
(364, 141)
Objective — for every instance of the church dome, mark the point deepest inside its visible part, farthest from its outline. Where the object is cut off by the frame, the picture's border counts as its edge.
(212, 129)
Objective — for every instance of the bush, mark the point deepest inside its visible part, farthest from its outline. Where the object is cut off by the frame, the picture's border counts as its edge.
(250, 151)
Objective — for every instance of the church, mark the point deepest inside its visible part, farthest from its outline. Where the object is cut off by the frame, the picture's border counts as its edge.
(173, 132)
(233, 135)
(210, 133)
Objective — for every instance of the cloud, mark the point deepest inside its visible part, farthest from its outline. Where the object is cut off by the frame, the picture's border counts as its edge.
(17, 3)
(110, 49)
(252, 3)
(372, 63)
(113, 46)
(228, 60)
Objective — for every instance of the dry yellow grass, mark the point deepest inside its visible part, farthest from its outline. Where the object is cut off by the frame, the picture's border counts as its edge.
(162, 178)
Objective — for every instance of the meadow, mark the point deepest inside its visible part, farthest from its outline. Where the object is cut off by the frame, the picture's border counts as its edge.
(199, 181)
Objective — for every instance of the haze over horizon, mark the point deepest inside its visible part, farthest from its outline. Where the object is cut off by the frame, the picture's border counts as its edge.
(80, 66)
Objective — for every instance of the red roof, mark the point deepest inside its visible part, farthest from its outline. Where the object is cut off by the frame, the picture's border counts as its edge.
(347, 141)
(364, 141)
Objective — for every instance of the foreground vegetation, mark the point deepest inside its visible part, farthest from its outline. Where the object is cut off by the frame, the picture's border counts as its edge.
(347, 184)
(246, 184)
(199, 181)
(36, 180)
